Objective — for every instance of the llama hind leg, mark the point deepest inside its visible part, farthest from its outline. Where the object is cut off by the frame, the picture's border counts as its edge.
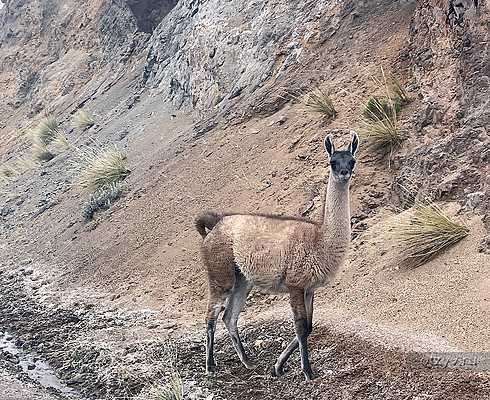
(278, 368)
(215, 305)
(235, 304)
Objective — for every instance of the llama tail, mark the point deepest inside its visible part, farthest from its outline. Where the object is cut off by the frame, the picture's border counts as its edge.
(205, 221)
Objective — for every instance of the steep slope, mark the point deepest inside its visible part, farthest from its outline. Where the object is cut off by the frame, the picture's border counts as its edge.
(204, 105)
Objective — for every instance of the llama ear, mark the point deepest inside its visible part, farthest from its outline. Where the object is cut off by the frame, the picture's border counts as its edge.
(329, 147)
(354, 144)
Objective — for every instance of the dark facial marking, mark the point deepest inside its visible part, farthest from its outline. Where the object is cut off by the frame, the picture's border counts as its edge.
(342, 164)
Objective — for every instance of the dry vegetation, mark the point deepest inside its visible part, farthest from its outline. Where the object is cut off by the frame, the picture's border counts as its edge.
(173, 390)
(399, 90)
(380, 128)
(425, 231)
(83, 119)
(48, 131)
(382, 134)
(98, 168)
(378, 108)
(318, 100)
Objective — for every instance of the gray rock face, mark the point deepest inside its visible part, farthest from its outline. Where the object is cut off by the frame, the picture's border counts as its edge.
(450, 61)
(206, 54)
(49, 49)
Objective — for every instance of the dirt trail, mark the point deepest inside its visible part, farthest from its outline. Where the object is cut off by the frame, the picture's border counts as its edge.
(104, 352)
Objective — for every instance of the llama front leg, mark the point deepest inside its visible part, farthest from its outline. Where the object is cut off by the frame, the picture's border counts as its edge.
(297, 299)
(278, 368)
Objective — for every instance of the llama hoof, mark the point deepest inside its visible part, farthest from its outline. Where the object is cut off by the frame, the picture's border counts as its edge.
(210, 369)
(308, 375)
(250, 364)
(277, 371)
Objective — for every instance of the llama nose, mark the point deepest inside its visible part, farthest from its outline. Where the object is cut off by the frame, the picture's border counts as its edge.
(344, 172)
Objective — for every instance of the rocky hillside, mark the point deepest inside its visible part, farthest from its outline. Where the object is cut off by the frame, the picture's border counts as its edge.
(204, 97)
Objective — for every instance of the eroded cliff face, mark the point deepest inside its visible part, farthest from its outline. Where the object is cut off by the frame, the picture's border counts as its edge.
(450, 60)
(211, 54)
(49, 50)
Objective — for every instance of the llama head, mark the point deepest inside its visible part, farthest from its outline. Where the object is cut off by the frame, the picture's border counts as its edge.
(342, 162)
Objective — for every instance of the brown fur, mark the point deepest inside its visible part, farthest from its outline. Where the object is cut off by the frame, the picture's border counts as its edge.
(274, 253)
(209, 219)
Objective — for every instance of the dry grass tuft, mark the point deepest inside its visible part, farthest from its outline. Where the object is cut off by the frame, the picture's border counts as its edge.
(48, 131)
(99, 168)
(83, 119)
(319, 101)
(379, 126)
(173, 390)
(425, 231)
(382, 134)
(378, 108)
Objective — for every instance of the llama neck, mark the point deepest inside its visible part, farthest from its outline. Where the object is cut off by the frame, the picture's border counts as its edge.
(336, 218)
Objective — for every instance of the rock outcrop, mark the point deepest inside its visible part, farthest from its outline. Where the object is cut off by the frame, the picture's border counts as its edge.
(451, 64)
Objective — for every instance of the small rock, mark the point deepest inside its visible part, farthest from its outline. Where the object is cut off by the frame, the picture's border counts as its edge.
(474, 200)
(262, 344)
(279, 121)
(6, 210)
(484, 246)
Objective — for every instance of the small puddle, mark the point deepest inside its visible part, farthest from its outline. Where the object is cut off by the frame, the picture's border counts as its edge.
(35, 368)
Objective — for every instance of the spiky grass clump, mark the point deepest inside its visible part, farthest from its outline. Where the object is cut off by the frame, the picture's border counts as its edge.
(382, 134)
(102, 199)
(48, 131)
(173, 390)
(379, 108)
(319, 101)
(99, 168)
(426, 231)
(83, 119)
(379, 127)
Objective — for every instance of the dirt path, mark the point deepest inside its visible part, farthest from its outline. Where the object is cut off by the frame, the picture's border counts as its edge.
(108, 353)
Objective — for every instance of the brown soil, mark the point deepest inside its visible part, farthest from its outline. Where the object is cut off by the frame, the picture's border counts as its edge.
(141, 257)
(346, 367)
